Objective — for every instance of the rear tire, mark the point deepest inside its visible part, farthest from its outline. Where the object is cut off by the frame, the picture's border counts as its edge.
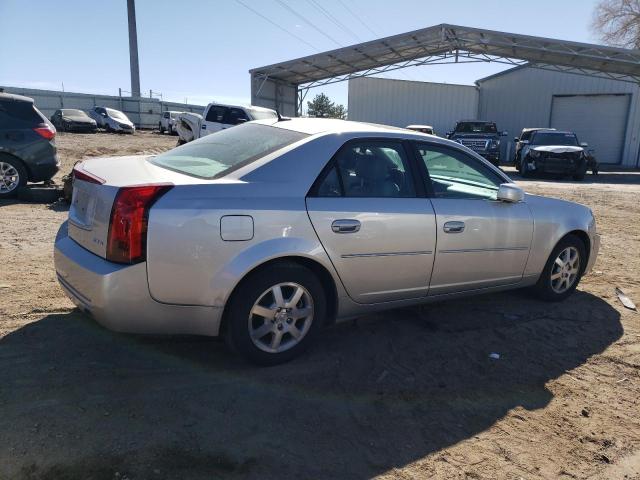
(563, 270)
(161, 128)
(13, 176)
(276, 313)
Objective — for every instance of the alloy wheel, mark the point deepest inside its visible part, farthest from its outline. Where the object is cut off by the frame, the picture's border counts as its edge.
(565, 270)
(9, 178)
(281, 317)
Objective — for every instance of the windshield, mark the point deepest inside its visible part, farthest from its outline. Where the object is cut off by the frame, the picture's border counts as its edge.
(262, 115)
(73, 113)
(547, 138)
(476, 127)
(117, 114)
(220, 153)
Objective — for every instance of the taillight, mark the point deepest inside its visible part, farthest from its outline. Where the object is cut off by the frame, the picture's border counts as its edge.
(81, 174)
(46, 131)
(127, 239)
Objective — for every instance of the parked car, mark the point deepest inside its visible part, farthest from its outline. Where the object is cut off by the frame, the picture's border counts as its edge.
(269, 231)
(72, 120)
(480, 136)
(524, 135)
(167, 122)
(552, 151)
(112, 120)
(217, 117)
(27, 145)
(428, 129)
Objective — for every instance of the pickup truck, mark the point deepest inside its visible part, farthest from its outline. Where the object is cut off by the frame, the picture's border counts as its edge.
(191, 126)
(167, 122)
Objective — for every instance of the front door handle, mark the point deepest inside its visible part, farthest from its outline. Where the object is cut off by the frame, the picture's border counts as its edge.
(454, 227)
(345, 226)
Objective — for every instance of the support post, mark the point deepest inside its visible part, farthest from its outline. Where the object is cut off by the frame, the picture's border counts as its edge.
(133, 49)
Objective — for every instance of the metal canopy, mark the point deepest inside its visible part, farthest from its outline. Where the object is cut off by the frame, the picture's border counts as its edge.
(446, 44)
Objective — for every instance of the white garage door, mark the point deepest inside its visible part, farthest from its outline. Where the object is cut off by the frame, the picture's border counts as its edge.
(599, 120)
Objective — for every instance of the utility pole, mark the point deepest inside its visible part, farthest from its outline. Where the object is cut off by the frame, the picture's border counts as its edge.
(133, 49)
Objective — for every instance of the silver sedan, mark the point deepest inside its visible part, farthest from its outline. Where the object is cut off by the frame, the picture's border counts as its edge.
(269, 231)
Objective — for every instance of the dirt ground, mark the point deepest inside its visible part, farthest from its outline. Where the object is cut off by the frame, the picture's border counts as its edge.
(406, 394)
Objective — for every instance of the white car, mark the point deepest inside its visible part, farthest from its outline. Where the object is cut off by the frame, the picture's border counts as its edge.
(112, 120)
(167, 122)
(216, 117)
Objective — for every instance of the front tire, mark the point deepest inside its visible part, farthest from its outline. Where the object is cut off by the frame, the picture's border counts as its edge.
(276, 313)
(563, 270)
(13, 176)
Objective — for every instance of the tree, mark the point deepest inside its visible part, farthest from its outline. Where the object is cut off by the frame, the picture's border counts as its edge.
(617, 22)
(322, 106)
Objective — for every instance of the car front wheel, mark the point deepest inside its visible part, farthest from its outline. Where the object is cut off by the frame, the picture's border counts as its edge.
(276, 313)
(563, 270)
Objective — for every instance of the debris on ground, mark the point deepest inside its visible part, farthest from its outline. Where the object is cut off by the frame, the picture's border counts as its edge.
(626, 301)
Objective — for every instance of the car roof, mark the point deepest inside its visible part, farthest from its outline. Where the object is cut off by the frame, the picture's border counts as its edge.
(476, 121)
(553, 130)
(314, 126)
(245, 107)
(533, 129)
(419, 126)
(15, 98)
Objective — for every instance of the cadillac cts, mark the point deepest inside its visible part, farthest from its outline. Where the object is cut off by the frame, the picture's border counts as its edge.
(268, 231)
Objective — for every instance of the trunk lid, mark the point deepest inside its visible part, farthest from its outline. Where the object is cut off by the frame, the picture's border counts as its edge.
(91, 202)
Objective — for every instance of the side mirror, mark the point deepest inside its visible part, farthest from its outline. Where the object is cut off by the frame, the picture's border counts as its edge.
(584, 144)
(516, 139)
(510, 193)
(504, 134)
(240, 120)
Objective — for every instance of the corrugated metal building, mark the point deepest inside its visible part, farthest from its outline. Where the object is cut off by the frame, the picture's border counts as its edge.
(604, 113)
(402, 102)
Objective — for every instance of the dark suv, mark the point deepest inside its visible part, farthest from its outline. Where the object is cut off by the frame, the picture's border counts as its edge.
(480, 136)
(27, 146)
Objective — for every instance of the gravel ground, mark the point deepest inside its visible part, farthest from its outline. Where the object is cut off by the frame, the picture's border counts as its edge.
(405, 394)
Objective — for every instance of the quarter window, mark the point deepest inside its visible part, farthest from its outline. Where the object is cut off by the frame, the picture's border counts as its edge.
(454, 174)
(215, 114)
(369, 169)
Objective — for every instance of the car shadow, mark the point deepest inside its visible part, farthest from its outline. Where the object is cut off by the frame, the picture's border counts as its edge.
(373, 394)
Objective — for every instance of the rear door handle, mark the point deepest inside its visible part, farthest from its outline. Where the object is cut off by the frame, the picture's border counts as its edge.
(345, 226)
(454, 227)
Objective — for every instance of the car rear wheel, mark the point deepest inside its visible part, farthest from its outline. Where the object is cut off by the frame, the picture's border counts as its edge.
(13, 176)
(276, 313)
(563, 270)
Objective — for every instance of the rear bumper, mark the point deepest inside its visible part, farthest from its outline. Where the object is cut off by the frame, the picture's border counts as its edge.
(117, 296)
(44, 170)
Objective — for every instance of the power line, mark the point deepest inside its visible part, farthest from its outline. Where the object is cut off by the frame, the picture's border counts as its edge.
(301, 17)
(333, 19)
(357, 17)
(277, 25)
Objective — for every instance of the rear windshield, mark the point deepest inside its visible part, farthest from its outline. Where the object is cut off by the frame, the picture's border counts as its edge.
(543, 138)
(262, 115)
(476, 127)
(220, 153)
(20, 114)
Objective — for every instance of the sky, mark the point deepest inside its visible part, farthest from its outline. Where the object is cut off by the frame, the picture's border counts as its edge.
(202, 51)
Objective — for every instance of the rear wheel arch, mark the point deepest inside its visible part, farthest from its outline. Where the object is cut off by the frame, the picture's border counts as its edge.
(14, 158)
(323, 275)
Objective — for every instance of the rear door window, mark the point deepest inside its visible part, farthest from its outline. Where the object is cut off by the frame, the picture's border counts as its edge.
(216, 114)
(234, 116)
(20, 114)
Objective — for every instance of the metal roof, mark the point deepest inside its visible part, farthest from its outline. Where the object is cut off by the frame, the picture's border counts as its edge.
(451, 43)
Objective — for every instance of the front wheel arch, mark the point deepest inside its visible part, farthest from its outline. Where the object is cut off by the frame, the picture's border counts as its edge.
(319, 270)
